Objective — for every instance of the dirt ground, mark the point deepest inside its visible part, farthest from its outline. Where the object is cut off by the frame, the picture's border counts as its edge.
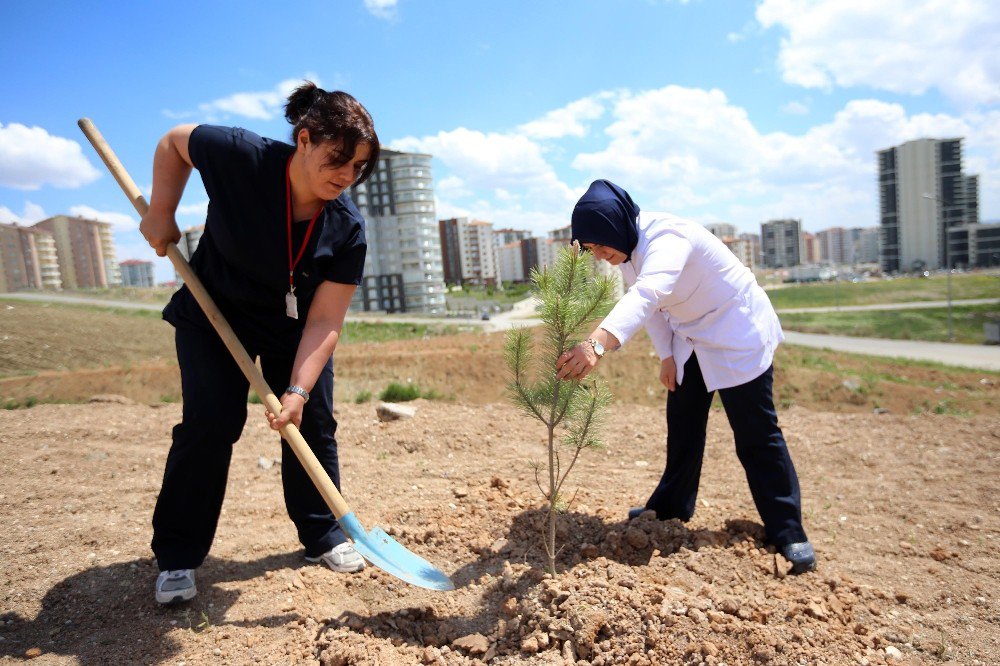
(902, 509)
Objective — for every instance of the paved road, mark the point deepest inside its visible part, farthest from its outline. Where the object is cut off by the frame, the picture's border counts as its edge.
(981, 357)
(970, 356)
(912, 305)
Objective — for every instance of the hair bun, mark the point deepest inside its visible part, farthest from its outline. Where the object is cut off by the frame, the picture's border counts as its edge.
(301, 99)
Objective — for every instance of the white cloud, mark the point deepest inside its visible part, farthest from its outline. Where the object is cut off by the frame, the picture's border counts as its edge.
(199, 209)
(795, 108)
(691, 151)
(116, 220)
(30, 157)
(383, 9)
(259, 105)
(31, 213)
(567, 121)
(478, 163)
(896, 45)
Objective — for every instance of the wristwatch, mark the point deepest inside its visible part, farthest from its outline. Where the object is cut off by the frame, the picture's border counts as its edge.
(299, 391)
(598, 347)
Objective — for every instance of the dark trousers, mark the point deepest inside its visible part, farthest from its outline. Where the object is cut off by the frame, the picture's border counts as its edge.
(214, 413)
(760, 447)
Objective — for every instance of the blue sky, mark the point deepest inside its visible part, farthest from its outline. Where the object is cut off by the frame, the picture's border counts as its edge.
(712, 109)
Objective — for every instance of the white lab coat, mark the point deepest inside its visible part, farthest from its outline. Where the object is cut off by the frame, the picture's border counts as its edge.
(693, 295)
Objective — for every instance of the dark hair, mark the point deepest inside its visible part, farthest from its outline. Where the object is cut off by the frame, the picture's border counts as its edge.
(333, 116)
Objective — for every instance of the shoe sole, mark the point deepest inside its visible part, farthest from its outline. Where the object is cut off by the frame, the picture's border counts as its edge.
(175, 597)
(319, 560)
(802, 568)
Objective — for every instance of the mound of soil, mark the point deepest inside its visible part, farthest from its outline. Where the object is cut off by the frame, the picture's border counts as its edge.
(902, 511)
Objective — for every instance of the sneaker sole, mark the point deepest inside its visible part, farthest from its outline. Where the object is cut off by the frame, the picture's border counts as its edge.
(319, 560)
(175, 596)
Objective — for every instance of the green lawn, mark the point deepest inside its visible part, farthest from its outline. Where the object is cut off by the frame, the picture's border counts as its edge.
(899, 290)
(930, 324)
(362, 331)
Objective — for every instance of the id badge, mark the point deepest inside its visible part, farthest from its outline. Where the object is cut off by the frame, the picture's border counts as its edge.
(291, 305)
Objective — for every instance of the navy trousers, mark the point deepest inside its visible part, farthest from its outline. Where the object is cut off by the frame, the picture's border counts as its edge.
(214, 413)
(760, 447)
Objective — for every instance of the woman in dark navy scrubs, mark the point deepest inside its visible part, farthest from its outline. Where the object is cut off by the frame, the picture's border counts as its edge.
(282, 253)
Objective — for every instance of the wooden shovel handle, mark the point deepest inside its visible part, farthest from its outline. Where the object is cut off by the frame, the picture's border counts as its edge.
(291, 434)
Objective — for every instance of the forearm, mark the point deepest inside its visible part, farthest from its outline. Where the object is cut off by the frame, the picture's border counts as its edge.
(319, 339)
(171, 170)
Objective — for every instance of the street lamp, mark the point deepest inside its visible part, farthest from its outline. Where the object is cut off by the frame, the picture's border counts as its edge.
(951, 333)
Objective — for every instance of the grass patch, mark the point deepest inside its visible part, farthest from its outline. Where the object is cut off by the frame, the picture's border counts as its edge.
(899, 290)
(254, 399)
(929, 324)
(362, 397)
(13, 403)
(369, 332)
(396, 392)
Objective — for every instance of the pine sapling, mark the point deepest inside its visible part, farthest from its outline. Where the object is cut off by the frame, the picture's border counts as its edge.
(572, 296)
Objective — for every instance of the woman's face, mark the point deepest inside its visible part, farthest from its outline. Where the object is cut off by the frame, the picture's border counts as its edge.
(325, 180)
(605, 253)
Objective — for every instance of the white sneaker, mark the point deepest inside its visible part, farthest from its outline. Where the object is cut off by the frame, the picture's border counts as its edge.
(174, 587)
(343, 559)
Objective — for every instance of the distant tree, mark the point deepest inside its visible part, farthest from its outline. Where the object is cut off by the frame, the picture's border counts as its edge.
(572, 296)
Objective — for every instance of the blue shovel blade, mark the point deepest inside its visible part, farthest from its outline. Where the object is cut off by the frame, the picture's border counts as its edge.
(392, 557)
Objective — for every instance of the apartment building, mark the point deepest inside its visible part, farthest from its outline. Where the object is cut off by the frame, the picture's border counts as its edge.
(85, 251)
(468, 252)
(27, 259)
(137, 273)
(403, 234)
(722, 229)
(781, 243)
(812, 251)
(923, 193)
(974, 245)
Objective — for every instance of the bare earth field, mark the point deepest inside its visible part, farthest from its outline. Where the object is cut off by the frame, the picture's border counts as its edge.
(903, 510)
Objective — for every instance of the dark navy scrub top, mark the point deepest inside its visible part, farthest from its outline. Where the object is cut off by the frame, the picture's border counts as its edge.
(242, 257)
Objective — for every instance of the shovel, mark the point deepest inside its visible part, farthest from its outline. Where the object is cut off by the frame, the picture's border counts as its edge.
(375, 546)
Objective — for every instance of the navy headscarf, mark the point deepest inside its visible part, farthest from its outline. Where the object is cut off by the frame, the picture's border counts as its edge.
(606, 215)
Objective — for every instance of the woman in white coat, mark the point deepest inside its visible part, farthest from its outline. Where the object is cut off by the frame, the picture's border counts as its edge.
(714, 329)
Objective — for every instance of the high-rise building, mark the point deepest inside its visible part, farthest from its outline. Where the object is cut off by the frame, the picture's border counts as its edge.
(754, 240)
(812, 251)
(27, 259)
(781, 243)
(867, 251)
(402, 231)
(722, 229)
(835, 245)
(512, 262)
(974, 245)
(468, 252)
(137, 273)
(742, 248)
(923, 193)
(85, 250)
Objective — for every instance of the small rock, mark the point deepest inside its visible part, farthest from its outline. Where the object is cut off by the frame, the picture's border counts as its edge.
(391, 411)
(265, 463)
(816, 610)
(588, 551)
(893, 653)
(501, 545)
(509, 607)
(31, 653)
(111, 398)
(473, 644)
(530, 645)
(461, 492)
(636, 538)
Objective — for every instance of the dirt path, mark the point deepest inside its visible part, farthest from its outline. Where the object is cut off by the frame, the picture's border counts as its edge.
(903, 511)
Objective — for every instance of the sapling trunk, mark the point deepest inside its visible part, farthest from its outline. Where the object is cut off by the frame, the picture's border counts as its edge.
(572, 296)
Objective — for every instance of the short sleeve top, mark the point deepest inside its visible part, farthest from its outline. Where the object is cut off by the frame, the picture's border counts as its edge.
(242, 256)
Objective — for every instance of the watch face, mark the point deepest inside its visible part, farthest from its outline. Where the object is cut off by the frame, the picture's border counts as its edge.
(599, 349)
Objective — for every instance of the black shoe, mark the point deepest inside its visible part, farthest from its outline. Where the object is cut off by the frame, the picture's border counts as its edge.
(801, 555)
(636, 511)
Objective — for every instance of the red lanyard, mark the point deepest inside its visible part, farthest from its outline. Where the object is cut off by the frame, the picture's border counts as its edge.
(305, 241)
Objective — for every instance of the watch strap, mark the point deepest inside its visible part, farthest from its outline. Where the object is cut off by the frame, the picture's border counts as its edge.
(298, 390)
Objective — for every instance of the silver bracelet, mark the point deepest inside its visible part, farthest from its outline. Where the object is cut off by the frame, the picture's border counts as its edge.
(299, 391)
